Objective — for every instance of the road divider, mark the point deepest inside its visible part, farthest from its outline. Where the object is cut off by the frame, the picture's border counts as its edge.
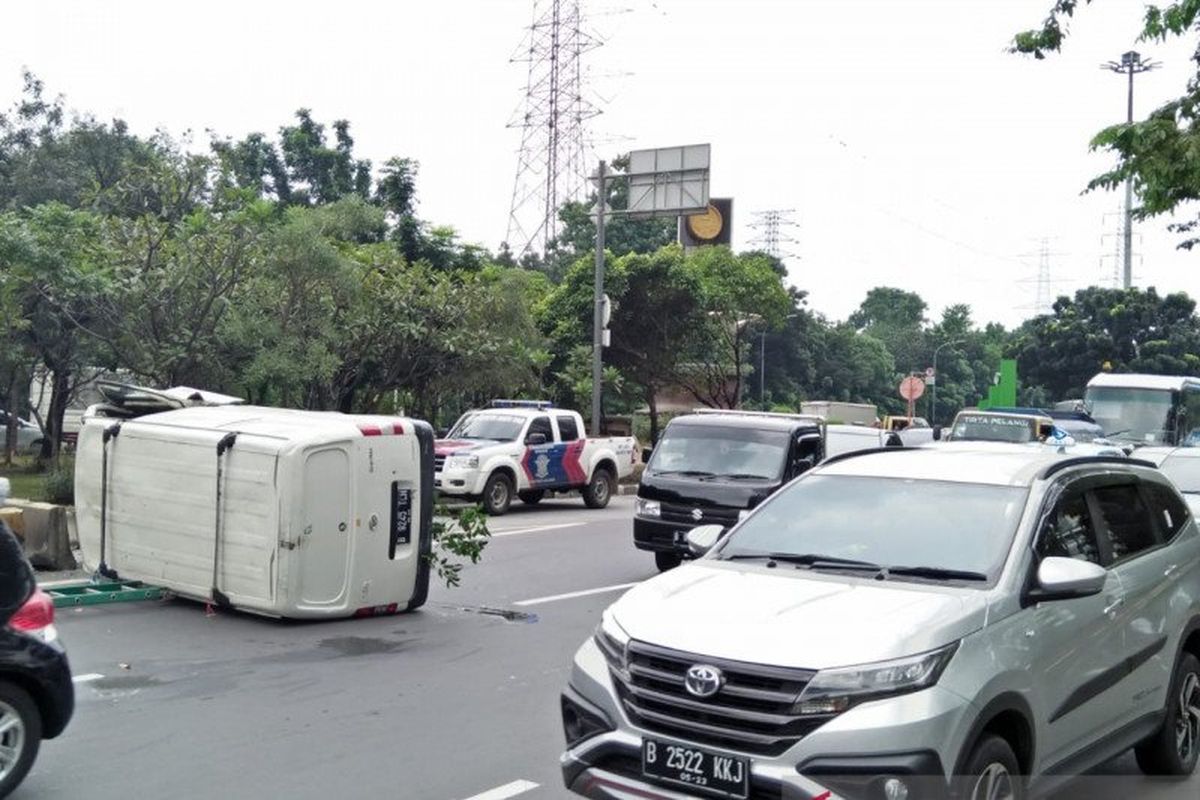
(506, 791)
(537, 601)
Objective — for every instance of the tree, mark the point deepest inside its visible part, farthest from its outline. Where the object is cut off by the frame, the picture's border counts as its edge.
(742, 293)
(1129, 330)
(658, 308)
(897, 318)
(1161, 153)
(51, 255)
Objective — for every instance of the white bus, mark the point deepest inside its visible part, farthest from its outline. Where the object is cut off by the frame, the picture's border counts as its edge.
(1146, 409)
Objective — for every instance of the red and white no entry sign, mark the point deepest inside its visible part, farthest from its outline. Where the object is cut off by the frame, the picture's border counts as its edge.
(911, 388)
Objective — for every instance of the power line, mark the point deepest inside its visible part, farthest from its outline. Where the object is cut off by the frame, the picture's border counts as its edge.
(552, 163)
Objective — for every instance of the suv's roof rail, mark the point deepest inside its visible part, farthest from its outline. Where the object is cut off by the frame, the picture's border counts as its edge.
(1067, 463)
(891, 448)
(768, 414)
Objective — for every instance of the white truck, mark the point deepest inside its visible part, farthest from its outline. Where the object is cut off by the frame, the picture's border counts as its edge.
(835, 411)
(529, 449)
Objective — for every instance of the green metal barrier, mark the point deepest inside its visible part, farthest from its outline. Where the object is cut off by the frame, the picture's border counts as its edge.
(87, 593)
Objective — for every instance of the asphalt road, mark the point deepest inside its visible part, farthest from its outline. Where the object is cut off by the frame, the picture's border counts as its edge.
(458, 701)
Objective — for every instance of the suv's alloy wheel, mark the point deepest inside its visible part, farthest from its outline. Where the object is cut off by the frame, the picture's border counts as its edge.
(990, 773)
(1175, 748)
(994, 784)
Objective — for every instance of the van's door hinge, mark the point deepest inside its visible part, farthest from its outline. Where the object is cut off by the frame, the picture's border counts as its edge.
(288, 545)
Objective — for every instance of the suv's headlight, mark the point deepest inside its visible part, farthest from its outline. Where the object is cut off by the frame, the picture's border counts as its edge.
(832, 691)
(612, 641)
(462, 462)
(647, 508)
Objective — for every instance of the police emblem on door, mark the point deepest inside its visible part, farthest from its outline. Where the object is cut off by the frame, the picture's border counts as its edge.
(541, 466)
(697, 514)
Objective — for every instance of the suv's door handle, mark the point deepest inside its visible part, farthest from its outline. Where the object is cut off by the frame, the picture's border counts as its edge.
(1169, 571)
(1114, 605)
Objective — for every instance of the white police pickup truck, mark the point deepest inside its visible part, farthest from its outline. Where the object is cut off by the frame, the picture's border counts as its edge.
(529, 449)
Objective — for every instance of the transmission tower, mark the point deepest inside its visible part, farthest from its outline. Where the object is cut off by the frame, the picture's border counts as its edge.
(553, 164)
(1112, 263)
(1044, 282)
(773, 226)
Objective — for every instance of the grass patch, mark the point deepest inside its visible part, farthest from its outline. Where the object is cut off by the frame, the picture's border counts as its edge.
(28, 479)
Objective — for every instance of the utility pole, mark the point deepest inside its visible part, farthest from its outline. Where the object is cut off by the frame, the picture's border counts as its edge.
(598, 300)
(1131, 64)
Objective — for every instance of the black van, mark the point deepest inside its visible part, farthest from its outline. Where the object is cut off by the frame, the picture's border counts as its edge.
(710, 467)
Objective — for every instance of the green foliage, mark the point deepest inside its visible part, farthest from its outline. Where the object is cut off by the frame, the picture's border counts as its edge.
(1161, 155)
(58, 487)
(1130, 330)
(459, 533)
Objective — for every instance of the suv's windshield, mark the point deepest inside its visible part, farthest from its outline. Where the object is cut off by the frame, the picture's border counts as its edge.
(710, 450)
(1139, 415)
(891, 522)
(495, 427)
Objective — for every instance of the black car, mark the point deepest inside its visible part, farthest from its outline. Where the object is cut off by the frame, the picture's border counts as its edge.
(36, 694)
(711, 467)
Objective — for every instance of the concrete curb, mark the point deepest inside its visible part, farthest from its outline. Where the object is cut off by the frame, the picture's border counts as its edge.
(44, 533)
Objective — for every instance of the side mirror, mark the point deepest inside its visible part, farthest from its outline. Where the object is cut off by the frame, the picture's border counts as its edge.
(442, 433)
(937, 433)
(1068, 578)
(700, 540)
(646, 455)
(534, 439)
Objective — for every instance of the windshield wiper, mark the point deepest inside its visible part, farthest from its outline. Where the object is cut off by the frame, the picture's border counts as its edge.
(742, 476)
(689, 472)
(942, 573)
(814, 560)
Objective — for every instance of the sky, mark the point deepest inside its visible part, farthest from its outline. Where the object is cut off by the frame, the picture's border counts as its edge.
(914, 150)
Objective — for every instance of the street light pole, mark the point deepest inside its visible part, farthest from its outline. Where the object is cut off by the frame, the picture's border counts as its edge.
(597, 302)
(1131, 64)
(933, 394)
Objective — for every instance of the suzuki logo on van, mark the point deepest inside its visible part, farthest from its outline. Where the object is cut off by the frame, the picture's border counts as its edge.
(704, 680)
(697, 514)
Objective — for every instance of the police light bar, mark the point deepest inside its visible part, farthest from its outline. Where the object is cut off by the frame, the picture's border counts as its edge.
(539, 404)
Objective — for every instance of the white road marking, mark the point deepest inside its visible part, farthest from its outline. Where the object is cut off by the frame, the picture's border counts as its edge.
(569, 595)
(506, 791)
(538, 529)
(88, 678)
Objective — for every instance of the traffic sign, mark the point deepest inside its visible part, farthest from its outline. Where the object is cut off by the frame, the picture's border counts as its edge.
(911, 388)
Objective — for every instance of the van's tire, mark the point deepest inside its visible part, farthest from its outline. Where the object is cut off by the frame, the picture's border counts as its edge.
(25, 737)
(599, 489)
(1174, 748)
(497, 494)
(992, 763)
(532, 497)
(666, 560)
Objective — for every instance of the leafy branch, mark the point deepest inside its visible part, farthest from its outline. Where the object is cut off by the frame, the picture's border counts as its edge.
(458, 533)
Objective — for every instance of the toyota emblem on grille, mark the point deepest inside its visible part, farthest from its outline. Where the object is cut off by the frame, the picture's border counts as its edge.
(697, 514)
(703, 680)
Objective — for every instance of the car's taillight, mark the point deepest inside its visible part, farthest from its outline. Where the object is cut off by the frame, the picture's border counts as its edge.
(36, 617)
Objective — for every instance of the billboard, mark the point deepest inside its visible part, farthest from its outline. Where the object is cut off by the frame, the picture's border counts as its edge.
(668, 181)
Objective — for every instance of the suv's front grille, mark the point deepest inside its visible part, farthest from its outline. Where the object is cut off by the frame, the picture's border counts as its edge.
(439, 461)
(753, 711)
(709, 515)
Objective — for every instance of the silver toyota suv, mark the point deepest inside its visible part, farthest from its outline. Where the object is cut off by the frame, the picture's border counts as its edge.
(970, 620)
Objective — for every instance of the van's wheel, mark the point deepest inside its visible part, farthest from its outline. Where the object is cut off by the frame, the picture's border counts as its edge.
(666, 560)
(497, 494)
(20, 735)
(599, 489)
(991, 773)
(532, 497)
(1174, 749)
